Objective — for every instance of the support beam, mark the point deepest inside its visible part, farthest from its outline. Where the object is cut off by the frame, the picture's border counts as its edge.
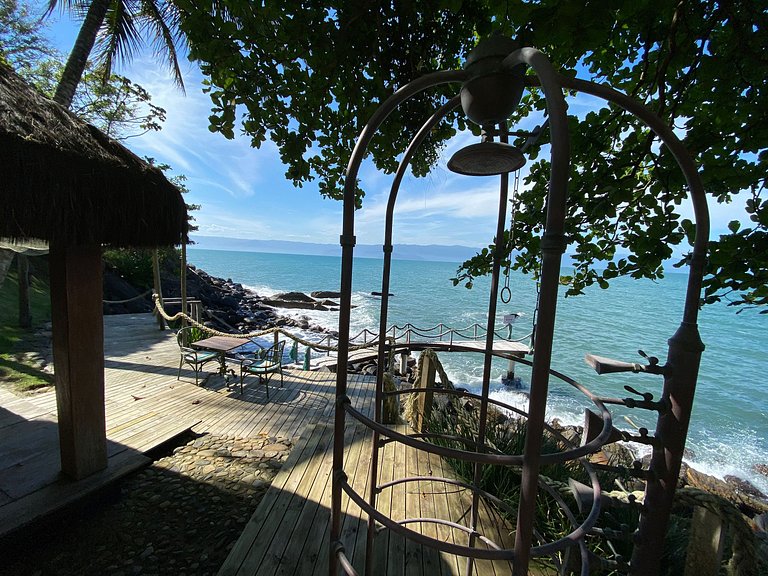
(25, 314)
(404, 362)
(424, 399)
(183, 286)
(158, 287)
(78, 352)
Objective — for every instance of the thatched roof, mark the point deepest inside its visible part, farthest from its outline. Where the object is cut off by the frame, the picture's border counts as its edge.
(64, 181)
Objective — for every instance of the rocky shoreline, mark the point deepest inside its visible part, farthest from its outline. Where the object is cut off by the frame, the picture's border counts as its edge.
(228, 306)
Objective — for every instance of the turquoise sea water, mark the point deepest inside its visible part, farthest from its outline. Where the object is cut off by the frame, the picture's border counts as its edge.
(729, 427)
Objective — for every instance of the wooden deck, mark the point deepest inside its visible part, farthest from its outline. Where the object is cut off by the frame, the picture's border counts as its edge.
(145, 406)
(288, 533)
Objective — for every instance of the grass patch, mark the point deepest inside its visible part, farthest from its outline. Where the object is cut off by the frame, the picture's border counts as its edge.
(16, 369)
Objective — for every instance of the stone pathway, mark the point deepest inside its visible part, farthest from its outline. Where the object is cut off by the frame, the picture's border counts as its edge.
(181, 515)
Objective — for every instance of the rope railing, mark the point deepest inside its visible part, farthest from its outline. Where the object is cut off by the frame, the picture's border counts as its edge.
(139, 297)
(276, 330)
(441, 332)
(325, 343)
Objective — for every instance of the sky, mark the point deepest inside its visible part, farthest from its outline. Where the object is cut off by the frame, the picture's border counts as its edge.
(243, 192)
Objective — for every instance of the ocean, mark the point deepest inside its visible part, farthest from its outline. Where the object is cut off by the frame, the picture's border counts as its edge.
(729, 427)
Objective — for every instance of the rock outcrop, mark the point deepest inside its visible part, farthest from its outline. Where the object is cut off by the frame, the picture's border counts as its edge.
(227, 306)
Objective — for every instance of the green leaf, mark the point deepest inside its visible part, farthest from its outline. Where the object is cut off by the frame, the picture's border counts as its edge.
(309, 74)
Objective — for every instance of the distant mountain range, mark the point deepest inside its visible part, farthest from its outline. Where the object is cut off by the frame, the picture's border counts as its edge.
(427, 253)
(431, 252)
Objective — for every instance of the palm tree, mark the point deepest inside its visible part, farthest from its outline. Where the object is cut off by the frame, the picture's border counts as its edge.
(121, 24)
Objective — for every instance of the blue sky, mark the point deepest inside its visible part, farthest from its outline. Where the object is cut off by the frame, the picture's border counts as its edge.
(243, 192)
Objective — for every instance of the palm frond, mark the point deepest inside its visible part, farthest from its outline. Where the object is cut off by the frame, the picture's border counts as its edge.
(78, 7)
(120, 37)
(160, 20)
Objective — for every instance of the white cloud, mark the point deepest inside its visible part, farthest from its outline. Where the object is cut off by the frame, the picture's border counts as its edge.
(186, 143)
(215, 221)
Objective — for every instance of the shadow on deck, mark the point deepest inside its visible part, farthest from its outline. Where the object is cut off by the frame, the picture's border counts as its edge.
(288, 533)
(146, 406)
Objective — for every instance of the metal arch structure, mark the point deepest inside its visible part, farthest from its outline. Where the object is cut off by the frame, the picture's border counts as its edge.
(680, 371)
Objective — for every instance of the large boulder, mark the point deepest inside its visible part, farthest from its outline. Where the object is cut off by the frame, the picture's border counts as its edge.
(295, 300)
(325, 294)
(734, 492)
(293, 297)
(118, 289)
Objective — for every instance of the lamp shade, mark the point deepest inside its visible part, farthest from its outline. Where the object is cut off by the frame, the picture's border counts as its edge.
(486, 159)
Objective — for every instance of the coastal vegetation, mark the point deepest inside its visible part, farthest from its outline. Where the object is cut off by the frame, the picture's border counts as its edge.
(115, 105)
(454, 423)
(135, 264)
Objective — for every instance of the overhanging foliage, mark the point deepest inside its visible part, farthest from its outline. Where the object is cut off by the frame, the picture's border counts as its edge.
(309, 74)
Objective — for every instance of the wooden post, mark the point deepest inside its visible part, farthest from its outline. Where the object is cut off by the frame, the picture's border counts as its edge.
(404, 362)
(391, 404)
(158, 286)
(78, 353)
(705, 546)
(510, 379)
(424, 399)
(25, 315)
(183, 287)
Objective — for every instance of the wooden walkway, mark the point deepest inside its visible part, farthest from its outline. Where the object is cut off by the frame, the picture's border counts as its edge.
(501, 348)
(145, 406)
(288, 533)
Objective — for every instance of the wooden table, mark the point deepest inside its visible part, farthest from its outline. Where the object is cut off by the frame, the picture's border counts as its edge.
(222, 345)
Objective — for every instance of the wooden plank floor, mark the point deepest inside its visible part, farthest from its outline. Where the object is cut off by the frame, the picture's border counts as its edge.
(145, 406)
(289, 532)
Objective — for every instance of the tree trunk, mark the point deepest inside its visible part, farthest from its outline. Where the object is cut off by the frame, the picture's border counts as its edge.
(78, 58)
(25, 315)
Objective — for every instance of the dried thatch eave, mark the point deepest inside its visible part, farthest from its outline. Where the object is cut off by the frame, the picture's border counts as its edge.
(63, 181)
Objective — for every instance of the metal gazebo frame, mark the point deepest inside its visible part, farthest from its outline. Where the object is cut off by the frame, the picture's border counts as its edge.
(680, 371)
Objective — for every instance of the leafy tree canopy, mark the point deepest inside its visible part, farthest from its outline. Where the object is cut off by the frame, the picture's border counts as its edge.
(118, 107)
(114, 30)
(309, 74)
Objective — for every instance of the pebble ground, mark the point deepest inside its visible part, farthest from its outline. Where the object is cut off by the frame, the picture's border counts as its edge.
(181, 515)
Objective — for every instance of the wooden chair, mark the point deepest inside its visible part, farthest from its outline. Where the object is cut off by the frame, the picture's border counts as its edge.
(264, 364)
(194, 358)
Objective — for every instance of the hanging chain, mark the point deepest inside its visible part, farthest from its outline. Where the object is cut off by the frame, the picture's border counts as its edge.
(506, 293)
(535, 318)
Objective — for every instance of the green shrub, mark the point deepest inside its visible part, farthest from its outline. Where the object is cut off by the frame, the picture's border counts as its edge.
(15, 369)
(508, 437)
(135, 264)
